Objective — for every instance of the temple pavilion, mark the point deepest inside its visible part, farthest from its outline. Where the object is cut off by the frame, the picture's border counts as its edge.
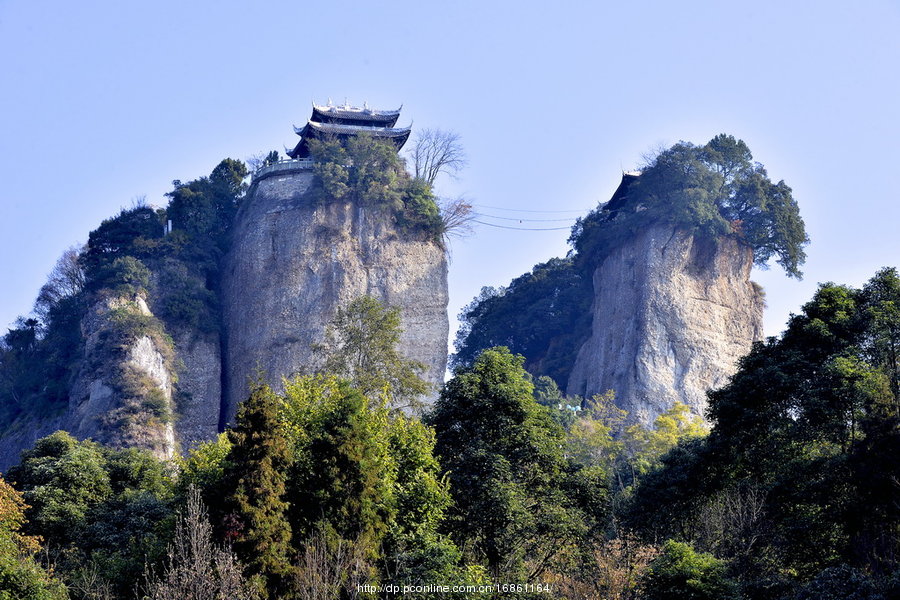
(343, 121)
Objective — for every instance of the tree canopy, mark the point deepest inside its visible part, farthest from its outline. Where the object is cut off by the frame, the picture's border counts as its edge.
(543, 315)
(797, 479)
(713, 190)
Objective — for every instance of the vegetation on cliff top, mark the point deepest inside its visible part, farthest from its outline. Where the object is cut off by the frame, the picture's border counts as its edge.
(369, 172)
(126, 257)
(712, 190)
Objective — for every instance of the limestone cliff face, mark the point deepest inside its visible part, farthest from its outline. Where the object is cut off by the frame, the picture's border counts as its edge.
(672, 314)
(293, 263)
(123, 391)
(141, 391)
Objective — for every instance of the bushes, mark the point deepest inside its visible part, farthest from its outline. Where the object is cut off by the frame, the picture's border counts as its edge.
(712, 190)
(368, 172)
(683, 574)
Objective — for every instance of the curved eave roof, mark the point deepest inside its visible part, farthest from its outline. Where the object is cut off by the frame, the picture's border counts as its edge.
(326, 114)
(313, 127)
(620, 196)
(313, 130)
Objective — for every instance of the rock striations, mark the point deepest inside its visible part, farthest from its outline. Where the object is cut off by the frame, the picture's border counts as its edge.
(293, 262)
(141, 383)
(672, 314)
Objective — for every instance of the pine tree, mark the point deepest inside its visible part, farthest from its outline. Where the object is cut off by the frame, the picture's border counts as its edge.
(257, 466)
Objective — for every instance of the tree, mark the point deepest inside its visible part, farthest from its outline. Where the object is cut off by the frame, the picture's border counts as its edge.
(795, 476)
(543, 315)
(361, 346)
(203, 210)
(196, 568)
(256, 473)
(712, 190)
(21, 577)
(65, 281)
(434, 152)
(681, 573)
(342, 475)
(61, 479)
(517, 502)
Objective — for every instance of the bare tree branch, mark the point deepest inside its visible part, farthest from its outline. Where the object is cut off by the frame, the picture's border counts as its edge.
(434, 152)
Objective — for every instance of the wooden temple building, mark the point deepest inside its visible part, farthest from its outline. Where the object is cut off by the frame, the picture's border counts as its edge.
(343, 121)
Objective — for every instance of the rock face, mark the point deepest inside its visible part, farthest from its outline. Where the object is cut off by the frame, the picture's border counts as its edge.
(198, 395)
(120, 393)
(293, 263)
(142, 384)
(672, 314)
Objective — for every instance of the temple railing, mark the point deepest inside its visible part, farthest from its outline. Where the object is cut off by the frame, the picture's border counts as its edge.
(284, 166)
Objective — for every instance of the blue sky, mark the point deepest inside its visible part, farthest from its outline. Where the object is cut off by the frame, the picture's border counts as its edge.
(104, 102)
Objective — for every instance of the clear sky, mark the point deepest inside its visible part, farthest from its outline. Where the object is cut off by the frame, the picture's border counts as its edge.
(104, 102)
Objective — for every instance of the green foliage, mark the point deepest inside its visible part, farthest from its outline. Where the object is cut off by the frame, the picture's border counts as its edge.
(368, 172)
(503, 455)
(134, 232)
(256, 474)
(364, 481)
(543, 315)
(342, 475)
(420, 210)
(124, 276)
(683, 574)
(712, 190)
(95, 506)
(361, 346)
(183, 300)
(204, 468)
(202, 210)
(21, 577)
(795, 473)
(62, 479)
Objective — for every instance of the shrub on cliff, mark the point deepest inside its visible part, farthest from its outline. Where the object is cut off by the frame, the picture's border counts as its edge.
(369, 172)
(712, 190)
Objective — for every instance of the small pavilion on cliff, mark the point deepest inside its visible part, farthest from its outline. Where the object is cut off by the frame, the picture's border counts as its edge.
(344, 121)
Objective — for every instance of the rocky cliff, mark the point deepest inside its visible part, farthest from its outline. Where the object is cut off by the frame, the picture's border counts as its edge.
(293, 262)
(672, 314)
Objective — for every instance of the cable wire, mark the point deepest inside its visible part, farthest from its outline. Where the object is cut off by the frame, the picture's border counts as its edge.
(570, 219)
(520, 228)
(528, 211)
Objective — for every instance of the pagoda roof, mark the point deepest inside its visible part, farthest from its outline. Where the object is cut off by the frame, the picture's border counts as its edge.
(315, 130)
(350, 114)
(620, 197)
(312, 128)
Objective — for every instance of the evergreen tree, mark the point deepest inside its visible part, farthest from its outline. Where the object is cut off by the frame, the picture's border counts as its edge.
(256, 473)
(518, 503)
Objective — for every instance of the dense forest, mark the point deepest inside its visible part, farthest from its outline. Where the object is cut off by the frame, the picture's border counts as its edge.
(505, 487)
(323, 492)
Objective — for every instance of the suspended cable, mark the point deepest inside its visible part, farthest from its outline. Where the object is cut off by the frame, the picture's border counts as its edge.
(570, 219)
(520, 228)
(528, 211)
